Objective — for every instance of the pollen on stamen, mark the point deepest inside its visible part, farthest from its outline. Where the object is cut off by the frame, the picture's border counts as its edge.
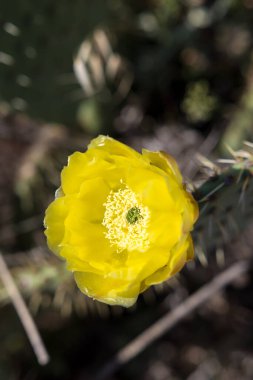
(126, 221)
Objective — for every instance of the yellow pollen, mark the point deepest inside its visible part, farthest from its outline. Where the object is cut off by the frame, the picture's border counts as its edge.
(126, 221)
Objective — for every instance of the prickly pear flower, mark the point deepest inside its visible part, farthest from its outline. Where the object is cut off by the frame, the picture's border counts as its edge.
(121, 220)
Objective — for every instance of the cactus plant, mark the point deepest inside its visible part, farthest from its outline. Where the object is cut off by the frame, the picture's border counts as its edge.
(226, 205)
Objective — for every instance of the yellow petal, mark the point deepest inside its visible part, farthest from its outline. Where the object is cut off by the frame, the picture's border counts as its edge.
(190, 212)
(105, 289)
(147, 185)
(165, 162)
(55, 216)
(190, 250)
(113, 147)
(89, 203)
(177, 259)
(165, 229)
(89, 242)
(139, 265)
(76, 262)
(82, 166)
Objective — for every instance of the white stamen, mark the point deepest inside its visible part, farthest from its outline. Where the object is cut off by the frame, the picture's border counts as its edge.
(120, 232)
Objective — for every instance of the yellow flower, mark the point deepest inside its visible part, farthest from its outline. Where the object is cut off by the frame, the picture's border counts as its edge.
(121, 220)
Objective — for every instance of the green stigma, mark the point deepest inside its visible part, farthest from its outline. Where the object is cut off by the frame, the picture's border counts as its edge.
(133, 215)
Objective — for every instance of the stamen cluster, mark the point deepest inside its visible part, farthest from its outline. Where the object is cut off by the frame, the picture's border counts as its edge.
(126, 221)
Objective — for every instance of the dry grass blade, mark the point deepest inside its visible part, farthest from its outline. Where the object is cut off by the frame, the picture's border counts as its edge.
(164, 324)
(24, 315)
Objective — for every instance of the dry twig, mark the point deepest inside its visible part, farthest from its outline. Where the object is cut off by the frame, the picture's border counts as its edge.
(24, 315)
(163, 325)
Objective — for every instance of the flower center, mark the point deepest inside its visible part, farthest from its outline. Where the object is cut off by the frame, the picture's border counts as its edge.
(133, 215)
(126, 221)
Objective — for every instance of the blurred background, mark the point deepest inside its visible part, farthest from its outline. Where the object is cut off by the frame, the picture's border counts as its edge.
(172, 75)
